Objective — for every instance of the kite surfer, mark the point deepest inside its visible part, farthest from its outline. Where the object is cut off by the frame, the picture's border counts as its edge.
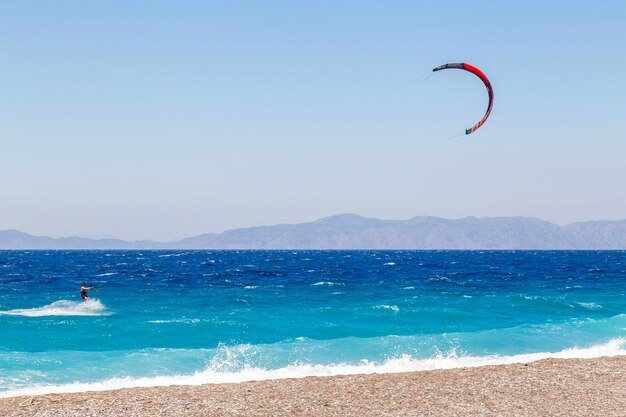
(84, 289)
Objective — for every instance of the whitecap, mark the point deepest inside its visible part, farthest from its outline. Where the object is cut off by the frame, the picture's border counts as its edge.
(395, 309)
(590, 306)
(183, 321)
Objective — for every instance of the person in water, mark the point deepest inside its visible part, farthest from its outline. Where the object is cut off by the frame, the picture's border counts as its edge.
(84, 289)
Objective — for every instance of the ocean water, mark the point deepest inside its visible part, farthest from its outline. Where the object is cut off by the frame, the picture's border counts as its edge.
(193, 317)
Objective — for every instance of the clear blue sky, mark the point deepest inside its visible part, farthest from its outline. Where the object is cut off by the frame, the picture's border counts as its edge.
(153, 119)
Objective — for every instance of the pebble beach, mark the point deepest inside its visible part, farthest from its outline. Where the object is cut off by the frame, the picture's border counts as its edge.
(550, 387)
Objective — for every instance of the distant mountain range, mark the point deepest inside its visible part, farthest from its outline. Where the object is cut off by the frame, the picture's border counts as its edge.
(350, 231)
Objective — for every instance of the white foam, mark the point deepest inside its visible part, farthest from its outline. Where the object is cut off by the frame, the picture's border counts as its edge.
(184, 321)
(388, 307)
(107, 274)
(590, 306)
(404, 363)
(62, 308)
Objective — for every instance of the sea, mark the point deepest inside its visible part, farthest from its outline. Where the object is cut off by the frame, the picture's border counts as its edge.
(197, 317)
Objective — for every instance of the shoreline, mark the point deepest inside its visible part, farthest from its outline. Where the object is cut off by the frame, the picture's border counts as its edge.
(567, 387)
(404, 364)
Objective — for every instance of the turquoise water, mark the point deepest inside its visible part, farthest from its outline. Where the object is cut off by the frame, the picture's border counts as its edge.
(163, 317)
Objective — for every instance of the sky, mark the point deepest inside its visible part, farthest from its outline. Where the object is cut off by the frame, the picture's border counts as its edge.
(162, 119)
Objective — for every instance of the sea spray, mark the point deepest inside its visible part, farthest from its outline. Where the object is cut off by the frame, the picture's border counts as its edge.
(91, 307)
(404, 363)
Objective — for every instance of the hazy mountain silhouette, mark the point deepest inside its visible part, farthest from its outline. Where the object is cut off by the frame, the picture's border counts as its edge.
(349, 231)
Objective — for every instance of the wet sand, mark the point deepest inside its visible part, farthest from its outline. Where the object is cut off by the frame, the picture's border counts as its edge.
(551, 387)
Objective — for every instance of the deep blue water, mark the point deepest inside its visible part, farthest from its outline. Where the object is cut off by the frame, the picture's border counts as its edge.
(214, 316)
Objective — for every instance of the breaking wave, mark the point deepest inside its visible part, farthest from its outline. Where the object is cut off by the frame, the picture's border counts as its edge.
(405, 363)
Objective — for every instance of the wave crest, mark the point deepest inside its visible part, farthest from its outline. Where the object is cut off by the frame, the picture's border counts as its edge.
(217, 372)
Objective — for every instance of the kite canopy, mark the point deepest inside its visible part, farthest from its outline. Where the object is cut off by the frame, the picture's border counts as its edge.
(485, 80)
